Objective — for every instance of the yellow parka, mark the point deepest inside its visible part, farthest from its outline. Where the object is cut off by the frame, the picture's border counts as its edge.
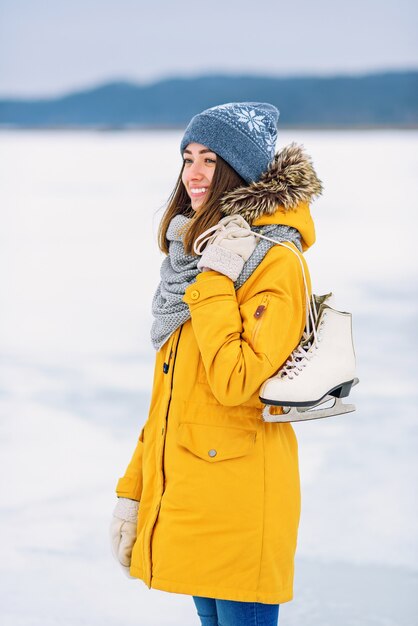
(218, 487)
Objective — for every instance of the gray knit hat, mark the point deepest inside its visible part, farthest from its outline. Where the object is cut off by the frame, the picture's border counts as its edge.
(242, 133)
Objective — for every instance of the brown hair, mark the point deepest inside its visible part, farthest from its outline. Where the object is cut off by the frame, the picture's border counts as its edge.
(208, 214)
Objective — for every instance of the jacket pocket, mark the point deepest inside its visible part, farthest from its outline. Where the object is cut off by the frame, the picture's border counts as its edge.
(215, 443)
(259, 315)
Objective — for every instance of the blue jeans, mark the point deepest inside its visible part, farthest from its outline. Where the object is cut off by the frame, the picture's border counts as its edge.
(214, 612)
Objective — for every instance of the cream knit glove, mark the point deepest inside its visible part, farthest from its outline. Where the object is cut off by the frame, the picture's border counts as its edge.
(123, 531)
(229, 244)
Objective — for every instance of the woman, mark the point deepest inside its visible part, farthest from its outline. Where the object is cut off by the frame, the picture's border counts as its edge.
(216, 486)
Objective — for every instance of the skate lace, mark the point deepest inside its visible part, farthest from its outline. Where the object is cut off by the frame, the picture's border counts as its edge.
(301, 355)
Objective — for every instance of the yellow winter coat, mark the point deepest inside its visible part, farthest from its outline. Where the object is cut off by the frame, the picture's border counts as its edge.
(219, 487)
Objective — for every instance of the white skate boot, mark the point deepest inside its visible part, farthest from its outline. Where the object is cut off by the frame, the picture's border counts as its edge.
(321, 368)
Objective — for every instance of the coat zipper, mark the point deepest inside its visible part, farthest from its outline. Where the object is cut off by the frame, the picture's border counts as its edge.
(171, 354)
(169, 400)
(168, 355)
(259, 315)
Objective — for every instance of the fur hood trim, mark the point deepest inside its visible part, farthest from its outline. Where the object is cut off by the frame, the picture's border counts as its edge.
(289, 180)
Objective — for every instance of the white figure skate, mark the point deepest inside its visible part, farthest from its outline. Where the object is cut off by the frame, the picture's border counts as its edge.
(320, 369)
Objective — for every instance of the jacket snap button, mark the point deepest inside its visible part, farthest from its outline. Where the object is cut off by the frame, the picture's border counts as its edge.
(212, 452)
(194, 294)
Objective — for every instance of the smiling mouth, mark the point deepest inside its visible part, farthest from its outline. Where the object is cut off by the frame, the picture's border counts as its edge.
(198, 191)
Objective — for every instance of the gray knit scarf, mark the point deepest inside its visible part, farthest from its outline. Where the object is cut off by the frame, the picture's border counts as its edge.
(179, 270)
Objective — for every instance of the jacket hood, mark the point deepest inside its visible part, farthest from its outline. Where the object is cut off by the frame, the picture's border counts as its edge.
(281, 195)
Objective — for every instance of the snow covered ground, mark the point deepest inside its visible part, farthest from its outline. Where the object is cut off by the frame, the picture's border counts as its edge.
(78, 267)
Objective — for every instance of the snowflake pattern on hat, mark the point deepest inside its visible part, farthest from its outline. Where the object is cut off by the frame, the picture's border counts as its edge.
(253, 120)
(257, 123)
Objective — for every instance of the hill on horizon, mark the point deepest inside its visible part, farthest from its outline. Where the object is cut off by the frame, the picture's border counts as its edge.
(387, 99)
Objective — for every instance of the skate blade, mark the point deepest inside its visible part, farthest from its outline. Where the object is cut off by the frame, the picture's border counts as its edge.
(301, 414)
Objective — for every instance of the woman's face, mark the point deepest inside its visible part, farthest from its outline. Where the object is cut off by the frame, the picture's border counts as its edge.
(199, 168)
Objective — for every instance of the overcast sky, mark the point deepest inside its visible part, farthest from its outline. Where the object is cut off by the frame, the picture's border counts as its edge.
(51, 47)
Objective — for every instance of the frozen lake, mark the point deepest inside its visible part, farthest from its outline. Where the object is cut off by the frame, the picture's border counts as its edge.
(79, 264)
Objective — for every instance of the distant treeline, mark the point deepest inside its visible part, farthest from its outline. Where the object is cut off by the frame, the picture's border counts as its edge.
(385, 99)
